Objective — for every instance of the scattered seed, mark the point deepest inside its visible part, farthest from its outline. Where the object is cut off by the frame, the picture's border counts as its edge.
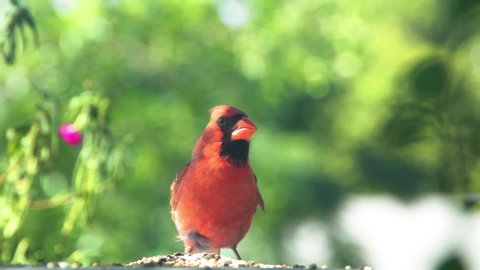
(212, 260)
(209, 256)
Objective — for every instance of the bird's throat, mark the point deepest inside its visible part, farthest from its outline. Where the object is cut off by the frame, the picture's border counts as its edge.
(236, 152)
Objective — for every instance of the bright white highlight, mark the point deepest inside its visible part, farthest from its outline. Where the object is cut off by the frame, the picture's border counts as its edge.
(233, 13)
(308, 243)
(397, 236)
(392, 235)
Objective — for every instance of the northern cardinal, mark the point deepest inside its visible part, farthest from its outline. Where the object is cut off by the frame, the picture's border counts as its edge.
(215, 196)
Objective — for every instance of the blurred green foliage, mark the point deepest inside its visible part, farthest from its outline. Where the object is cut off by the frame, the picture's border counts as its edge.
(34, 185)
(19, 19)
(349, 97)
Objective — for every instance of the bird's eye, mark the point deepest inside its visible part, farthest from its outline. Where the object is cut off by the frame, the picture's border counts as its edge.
(221, 121)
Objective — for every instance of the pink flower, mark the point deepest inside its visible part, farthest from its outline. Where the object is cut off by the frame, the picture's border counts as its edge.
(70, 134)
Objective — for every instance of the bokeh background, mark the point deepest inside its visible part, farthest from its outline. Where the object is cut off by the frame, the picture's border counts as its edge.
(367, 151)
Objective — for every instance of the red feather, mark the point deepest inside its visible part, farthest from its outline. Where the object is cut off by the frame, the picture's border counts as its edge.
(214, 197)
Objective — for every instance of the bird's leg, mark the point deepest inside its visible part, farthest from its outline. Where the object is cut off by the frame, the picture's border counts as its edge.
(188, 249)
(236, 253)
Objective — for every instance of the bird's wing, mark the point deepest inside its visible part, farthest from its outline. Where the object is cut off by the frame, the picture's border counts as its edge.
(176, 189)
(259, 197)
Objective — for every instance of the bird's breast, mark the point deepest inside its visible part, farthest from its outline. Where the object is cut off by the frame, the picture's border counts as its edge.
(226, 187)
(217, 199)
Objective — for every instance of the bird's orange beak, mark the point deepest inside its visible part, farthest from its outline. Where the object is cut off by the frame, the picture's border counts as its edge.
(244, 129)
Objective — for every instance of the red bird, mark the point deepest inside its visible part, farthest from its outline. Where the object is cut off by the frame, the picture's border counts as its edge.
(215, 196)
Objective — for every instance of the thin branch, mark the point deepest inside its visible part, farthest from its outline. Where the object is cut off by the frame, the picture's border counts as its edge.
(51, 203)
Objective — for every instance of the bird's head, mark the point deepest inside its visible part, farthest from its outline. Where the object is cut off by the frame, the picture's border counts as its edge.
(232, 123)
(227, 135)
